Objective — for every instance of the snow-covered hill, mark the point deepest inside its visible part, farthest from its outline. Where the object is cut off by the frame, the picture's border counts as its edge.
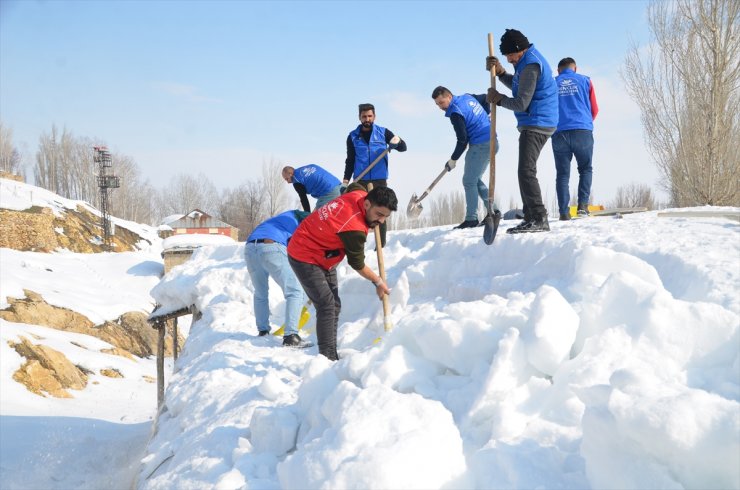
(604, 354)
(96, 438)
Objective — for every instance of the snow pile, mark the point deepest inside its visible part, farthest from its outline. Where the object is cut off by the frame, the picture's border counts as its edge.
(604, 354)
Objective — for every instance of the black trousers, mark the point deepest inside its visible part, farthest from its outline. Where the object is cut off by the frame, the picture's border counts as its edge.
(383, 225)
(322, 289)
(530, 146)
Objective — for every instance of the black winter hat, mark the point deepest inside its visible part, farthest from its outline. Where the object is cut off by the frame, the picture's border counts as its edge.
(513, 41)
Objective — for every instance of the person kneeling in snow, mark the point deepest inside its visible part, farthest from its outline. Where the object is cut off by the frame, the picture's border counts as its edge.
(323, 239)
(265, 253)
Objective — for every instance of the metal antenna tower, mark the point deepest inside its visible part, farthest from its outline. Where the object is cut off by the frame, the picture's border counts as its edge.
(103, 159)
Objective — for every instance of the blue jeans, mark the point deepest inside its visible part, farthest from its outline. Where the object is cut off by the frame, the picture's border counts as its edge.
(329, 196)
(565, 144)
(477, 158)
(266, 260)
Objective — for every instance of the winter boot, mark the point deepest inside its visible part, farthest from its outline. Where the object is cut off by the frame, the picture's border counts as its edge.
(264, 332)
(518, 228)
(468, 223)
(534, 226)
(565, 217)
(294, 341)
(583, 210)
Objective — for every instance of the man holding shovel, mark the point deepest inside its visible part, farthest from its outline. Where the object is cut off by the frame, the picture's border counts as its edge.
(469, 117)
(534, 101)
(323, 239)
(365, 144)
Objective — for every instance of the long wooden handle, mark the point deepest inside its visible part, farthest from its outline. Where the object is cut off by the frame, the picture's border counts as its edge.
(431, 186)
(381, 268)
(370, 167)
(492, 179)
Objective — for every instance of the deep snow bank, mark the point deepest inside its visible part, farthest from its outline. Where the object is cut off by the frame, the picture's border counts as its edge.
(603, 354)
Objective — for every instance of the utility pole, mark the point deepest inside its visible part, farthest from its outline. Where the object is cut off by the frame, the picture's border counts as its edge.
(103, 159)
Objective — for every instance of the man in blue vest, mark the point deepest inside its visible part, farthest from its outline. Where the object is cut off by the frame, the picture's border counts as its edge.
(366, 143)
(469, 115)
(534, 100)
(314, 180)
(266, 254)
(574, 136)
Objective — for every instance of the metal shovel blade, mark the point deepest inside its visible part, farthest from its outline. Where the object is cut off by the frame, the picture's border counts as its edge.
(490, 224)
(413, 210)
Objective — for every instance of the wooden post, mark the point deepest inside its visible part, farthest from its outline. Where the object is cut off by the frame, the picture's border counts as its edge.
(174, 338)
(160, 363)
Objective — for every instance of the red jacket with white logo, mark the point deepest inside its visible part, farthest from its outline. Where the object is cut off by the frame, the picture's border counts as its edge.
(316, 240)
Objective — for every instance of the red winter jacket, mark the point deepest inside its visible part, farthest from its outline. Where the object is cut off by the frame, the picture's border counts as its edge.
(316, 240)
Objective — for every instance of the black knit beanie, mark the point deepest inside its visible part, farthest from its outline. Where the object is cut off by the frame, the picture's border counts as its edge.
(513, 41)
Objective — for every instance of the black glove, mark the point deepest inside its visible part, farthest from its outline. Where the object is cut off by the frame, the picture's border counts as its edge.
(494, 97)
(493, 62)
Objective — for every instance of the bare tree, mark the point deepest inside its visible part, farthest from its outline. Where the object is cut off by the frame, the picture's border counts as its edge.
(243, 207)
(687, 85)
(273, 187)
(186, 192)
(10, 157)
(634, 195)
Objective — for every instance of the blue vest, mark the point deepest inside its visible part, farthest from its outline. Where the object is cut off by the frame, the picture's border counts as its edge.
(543, 108)
(477, 122)
(317, 181)
(279, 228)
(574, 101)
(366, 153)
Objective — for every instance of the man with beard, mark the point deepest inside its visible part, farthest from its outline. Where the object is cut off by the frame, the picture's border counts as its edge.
(534, 100)
(366, 143)
(323, 239)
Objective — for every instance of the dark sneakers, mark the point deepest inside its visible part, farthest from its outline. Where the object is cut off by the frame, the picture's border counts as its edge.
(264, 332)
(532, 226)
(565, 217)
(582, 210)
(468, 223)
(292, 340)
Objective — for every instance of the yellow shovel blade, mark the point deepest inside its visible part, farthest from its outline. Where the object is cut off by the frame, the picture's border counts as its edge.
(302, 320)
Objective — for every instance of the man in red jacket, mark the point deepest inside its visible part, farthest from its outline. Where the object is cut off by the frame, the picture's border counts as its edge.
(322, 240)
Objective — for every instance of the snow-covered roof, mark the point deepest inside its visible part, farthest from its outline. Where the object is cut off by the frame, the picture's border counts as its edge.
(195, 240)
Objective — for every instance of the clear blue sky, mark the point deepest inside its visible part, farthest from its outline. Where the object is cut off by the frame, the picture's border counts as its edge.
(221, 86)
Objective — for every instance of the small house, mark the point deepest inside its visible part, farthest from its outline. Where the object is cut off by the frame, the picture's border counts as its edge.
(198, 222)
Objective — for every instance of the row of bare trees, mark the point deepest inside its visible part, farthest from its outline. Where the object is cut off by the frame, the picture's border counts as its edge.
(687, 85)
(64, 164)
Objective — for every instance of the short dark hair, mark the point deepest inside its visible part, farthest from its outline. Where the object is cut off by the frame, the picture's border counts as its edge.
(566, 62)
(383, 196)
(366, 107)
(440, 91)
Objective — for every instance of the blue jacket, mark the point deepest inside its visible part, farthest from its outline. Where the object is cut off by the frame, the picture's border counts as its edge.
(543, 108)
(366, 153)
(477, 122)
(574, 101)
(317, 181)
(278, 228)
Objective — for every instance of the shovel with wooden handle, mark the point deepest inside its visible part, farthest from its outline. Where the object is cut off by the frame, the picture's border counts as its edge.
(492, 219)
(370, 167)
(387, 325)
(414, 209)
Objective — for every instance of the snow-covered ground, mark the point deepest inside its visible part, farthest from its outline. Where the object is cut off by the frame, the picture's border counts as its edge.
(96, 439)
(604, 354)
